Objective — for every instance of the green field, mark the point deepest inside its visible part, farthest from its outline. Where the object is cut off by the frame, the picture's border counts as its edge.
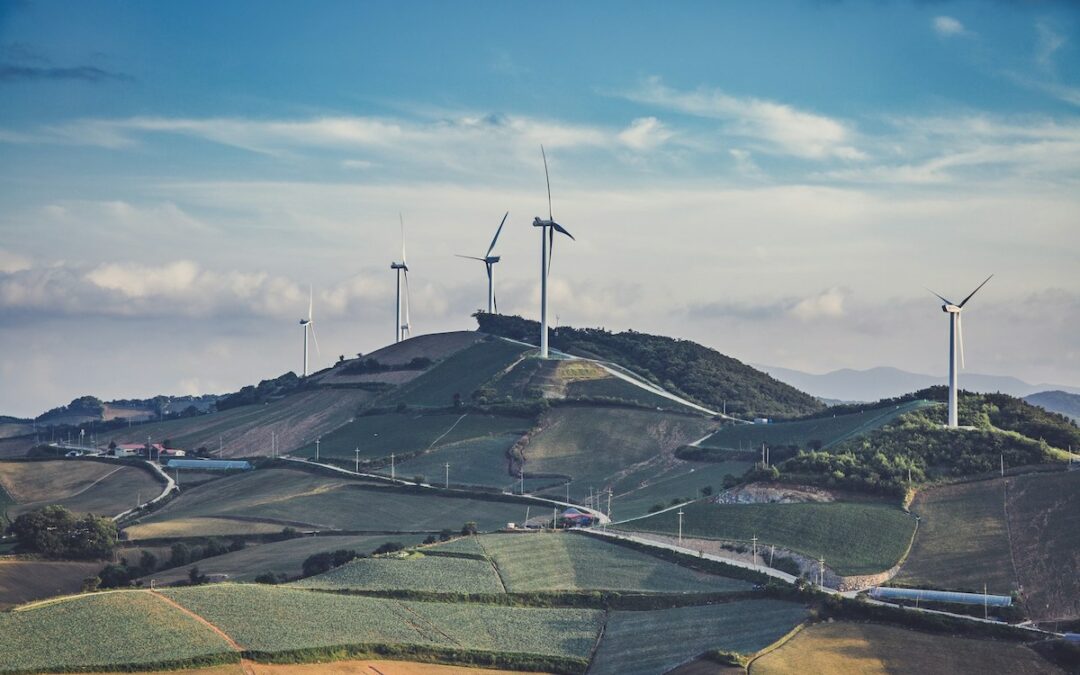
(666, 479)
(377, 436)
(248, 430)
(595, 445)
(280, 557)
(483, 462)
(844, 648)
(542, 561)
(615, 388)
(827, 430)
(85, 486)
(1044, 521)
(855, 538)
(461, 374)
(130, 629)
(276, 619)
(657, 641)
(963, 540)
(414, 572)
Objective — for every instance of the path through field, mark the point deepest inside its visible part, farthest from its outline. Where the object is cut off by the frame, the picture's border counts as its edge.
(248, 670)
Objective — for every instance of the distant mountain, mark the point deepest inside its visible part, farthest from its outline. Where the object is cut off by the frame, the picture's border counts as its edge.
(884, 382)
(1057, 401)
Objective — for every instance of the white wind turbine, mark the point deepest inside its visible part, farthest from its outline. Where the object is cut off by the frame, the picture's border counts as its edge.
(308, 325)
(548, 228)
(956, 337)
(489, 262)
(402, 329)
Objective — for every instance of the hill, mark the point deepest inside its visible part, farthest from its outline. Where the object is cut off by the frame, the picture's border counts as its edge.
(682, 367)
(1060, 402)
(99, 487)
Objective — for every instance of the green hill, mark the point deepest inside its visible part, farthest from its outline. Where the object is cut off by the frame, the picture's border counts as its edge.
(682, 367)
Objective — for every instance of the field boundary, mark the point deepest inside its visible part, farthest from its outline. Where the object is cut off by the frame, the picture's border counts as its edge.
(784, 639)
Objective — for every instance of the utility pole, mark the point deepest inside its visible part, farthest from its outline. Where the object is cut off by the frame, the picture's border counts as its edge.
(763, 455)
(273, 444)
(821, 571)
(317, 441)
(753, 542)
(554, 517)
(447, 485)
(521, 478)
(609, 503)
(1003, 464)
(567, 492)
(391, 466)
(357, 469)
(772, 552)
(526, 523)
(680, 526)
(986, 609)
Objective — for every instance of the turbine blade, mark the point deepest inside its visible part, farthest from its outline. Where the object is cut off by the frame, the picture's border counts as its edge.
(401, 219)
(408, 297)
(495, 301)
(943, 299)
(548, 179)
(470, 257)
(492, 247)
(551, 247)
(960, 336)
(314, 339)
(310, 301)
(562, 229)
(975, 291)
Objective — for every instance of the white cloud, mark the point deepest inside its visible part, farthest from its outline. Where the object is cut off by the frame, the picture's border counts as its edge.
(828, 304)
(645, 133)
(947, 26)
(12, 262)
(784, 128)
(1048, 43)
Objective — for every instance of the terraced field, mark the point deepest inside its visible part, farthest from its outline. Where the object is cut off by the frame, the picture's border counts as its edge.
(827, 430)
(103, 488)
(248, 430)
(864, 648)
(25, 580)
(963, 540)
(657, 641)
(98, 631)
(460, 374)
(279, 619)
(854, 538)
(416, 572)
(377, 436)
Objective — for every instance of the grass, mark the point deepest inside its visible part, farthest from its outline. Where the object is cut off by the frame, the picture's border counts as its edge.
(377, 436)
(1044, 521)
(657, 641)
(827, 430)
(594, 445)
(276, 618)
(280, 557)
(856, 648)
(616, 388)
(109, 630)
(565, 561)
(83, 486)
(661, 482)
(415, 572)
(963, 540)
(201, 526)
(854, 538)
(462, 374)
(482, 461)
(26, 580)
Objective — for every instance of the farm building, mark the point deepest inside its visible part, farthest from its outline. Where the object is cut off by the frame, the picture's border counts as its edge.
(210, 464)
(886, 593)
(574, 518)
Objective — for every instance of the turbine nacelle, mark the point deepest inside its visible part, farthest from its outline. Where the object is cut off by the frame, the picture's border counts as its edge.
(304, 322)
(951, 309)
(399, 266)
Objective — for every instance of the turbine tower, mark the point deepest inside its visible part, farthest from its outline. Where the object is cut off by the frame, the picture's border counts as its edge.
(401, 329)
(956, 337)
(489, 262)
(308, 325)
(548, 228)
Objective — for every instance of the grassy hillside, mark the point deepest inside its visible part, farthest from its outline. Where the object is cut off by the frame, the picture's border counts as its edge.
(855, 538)
(865, 648)
(1044, 523)
(654, 642)
(660, 482)
(483, 462)
(458, 376)
(415, 572)
(103, 488)
(963, 540)
(680, 366)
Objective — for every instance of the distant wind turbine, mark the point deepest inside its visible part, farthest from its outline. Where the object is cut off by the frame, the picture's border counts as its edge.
(308, 325)
(402, 330)
(956, 337)
(489, 262)
(548, 228)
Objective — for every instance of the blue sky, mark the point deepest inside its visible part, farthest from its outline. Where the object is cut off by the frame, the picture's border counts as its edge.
(776, 180)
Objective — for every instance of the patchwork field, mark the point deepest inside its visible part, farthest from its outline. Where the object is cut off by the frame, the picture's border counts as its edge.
(460, 374)
(25, 580)
(827, 430)
(963, 540)
(102, 488)
(481, 461)
(1044, 522)
(595, 445)
(248, 430)
(416, 572)
(97, 631)
(864, 648)
(854, 538)
(657, 641)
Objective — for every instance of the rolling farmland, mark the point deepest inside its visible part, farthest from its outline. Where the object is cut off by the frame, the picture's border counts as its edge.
(855, 538)
(657, 641)
(856, 648)
(461, 374)
(828, 430)
(97, 630)
(25, 580)
(662, 481)
(103, 488)
(483, 462)
(963, 540)
(415, 572)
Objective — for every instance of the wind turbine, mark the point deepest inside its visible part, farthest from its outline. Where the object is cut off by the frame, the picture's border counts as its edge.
(489, 262)
(956, 337)
(308, 325)
(402, 330)
(548, 228)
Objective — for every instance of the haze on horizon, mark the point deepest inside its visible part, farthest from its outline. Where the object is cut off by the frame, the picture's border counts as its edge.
(779, 183)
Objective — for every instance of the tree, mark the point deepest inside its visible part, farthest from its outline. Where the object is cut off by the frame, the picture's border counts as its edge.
(91, 584)
(195, 577)
(55, 532)
(179, 554)
(114, 576)
(388, 547)
(147, 563)
(468, 528)
(266, 578)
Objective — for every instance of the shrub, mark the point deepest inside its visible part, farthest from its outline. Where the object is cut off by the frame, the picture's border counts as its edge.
(55, 532)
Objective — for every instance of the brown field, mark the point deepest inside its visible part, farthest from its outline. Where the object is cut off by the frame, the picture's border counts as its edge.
(119, 412)
(26, 580)
(15, 447)
(336, 668)
(1044, 524)
(10, 429)
(842, 648)
(199, 527)
(103, 488)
